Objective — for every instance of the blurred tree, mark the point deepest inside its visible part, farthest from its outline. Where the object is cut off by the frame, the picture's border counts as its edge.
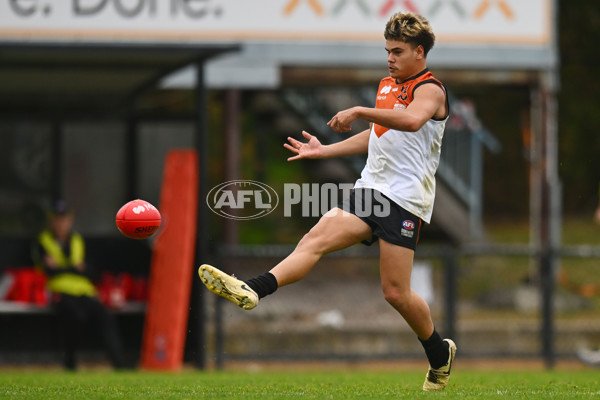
(579, 104)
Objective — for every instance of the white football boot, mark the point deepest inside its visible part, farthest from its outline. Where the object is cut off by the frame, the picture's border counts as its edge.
(438, 378)
(228, 286)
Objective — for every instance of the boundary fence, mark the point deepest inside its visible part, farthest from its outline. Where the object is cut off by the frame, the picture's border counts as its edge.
(451, 258)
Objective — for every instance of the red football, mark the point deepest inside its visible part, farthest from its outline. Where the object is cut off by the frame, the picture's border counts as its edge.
(138, 219)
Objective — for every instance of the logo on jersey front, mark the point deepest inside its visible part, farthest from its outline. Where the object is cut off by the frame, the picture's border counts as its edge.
(383, 92)
(403, 93)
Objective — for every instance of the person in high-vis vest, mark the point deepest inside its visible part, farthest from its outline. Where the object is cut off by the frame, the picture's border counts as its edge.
(60, 252)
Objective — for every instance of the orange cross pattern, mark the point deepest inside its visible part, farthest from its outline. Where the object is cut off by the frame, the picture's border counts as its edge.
(314, 4)
(485, 6)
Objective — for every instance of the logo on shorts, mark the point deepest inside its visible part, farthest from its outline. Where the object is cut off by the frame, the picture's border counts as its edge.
(408, 228)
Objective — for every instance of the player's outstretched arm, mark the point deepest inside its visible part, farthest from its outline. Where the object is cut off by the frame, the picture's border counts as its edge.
(429, 101)
(357, 144)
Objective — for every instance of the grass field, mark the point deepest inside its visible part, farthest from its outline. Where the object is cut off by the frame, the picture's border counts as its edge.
(325, 384)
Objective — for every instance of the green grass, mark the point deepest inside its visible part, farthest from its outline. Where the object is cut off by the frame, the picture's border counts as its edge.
(339, 384)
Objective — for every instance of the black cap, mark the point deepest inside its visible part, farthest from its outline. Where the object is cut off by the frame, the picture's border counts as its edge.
(61, 207)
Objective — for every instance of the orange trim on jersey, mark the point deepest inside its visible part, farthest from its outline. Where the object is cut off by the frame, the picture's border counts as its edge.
(394, 95)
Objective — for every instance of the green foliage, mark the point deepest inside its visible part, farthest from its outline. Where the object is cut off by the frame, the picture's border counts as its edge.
(579, 119)
(505, 175)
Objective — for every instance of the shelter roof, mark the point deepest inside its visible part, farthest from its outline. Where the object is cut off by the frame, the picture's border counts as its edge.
(53, 78)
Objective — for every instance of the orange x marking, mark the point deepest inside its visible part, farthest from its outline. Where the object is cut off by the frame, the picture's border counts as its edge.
(486, 4)
(314, 4)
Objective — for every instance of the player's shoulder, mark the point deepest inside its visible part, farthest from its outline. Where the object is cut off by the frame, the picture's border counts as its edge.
(388, 80)
(386, 84)
(426, 79)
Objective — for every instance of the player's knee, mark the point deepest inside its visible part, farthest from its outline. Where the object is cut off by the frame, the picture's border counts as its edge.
(315, 241)
(310, 241)
(395, 296)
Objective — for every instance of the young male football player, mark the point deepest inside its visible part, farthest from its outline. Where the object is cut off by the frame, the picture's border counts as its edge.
(403, 146)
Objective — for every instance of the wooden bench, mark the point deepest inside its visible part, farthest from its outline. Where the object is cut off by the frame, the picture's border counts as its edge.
(14, 307)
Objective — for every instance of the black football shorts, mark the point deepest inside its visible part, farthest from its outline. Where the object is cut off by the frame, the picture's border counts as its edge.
(386, 219)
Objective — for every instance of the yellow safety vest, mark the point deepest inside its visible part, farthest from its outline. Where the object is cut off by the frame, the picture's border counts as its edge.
(67, 283)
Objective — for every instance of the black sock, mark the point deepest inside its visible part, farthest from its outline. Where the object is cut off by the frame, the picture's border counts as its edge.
(263, 285)
(436, 349)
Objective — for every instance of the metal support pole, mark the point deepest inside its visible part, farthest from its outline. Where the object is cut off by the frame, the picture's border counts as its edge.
(231, 228)
(550, 217)
(450, 292)
(198, 312)
(547, 283)
(476, 171)
(131, 154)
(535, 180)
(549, 190)
(57, 161)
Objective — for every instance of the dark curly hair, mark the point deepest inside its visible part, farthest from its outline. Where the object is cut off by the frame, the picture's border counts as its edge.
(410, 28)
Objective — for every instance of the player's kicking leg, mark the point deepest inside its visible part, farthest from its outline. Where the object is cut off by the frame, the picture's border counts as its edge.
(334, 231)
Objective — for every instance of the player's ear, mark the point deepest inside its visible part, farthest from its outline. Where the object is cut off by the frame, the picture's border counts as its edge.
(420, 51)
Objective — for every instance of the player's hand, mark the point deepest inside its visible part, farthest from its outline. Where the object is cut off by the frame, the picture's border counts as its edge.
(342, 120)
(597, 215)
(310, 149)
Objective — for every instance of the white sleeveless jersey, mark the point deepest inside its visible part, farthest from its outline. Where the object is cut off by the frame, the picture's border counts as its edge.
(400, 164)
